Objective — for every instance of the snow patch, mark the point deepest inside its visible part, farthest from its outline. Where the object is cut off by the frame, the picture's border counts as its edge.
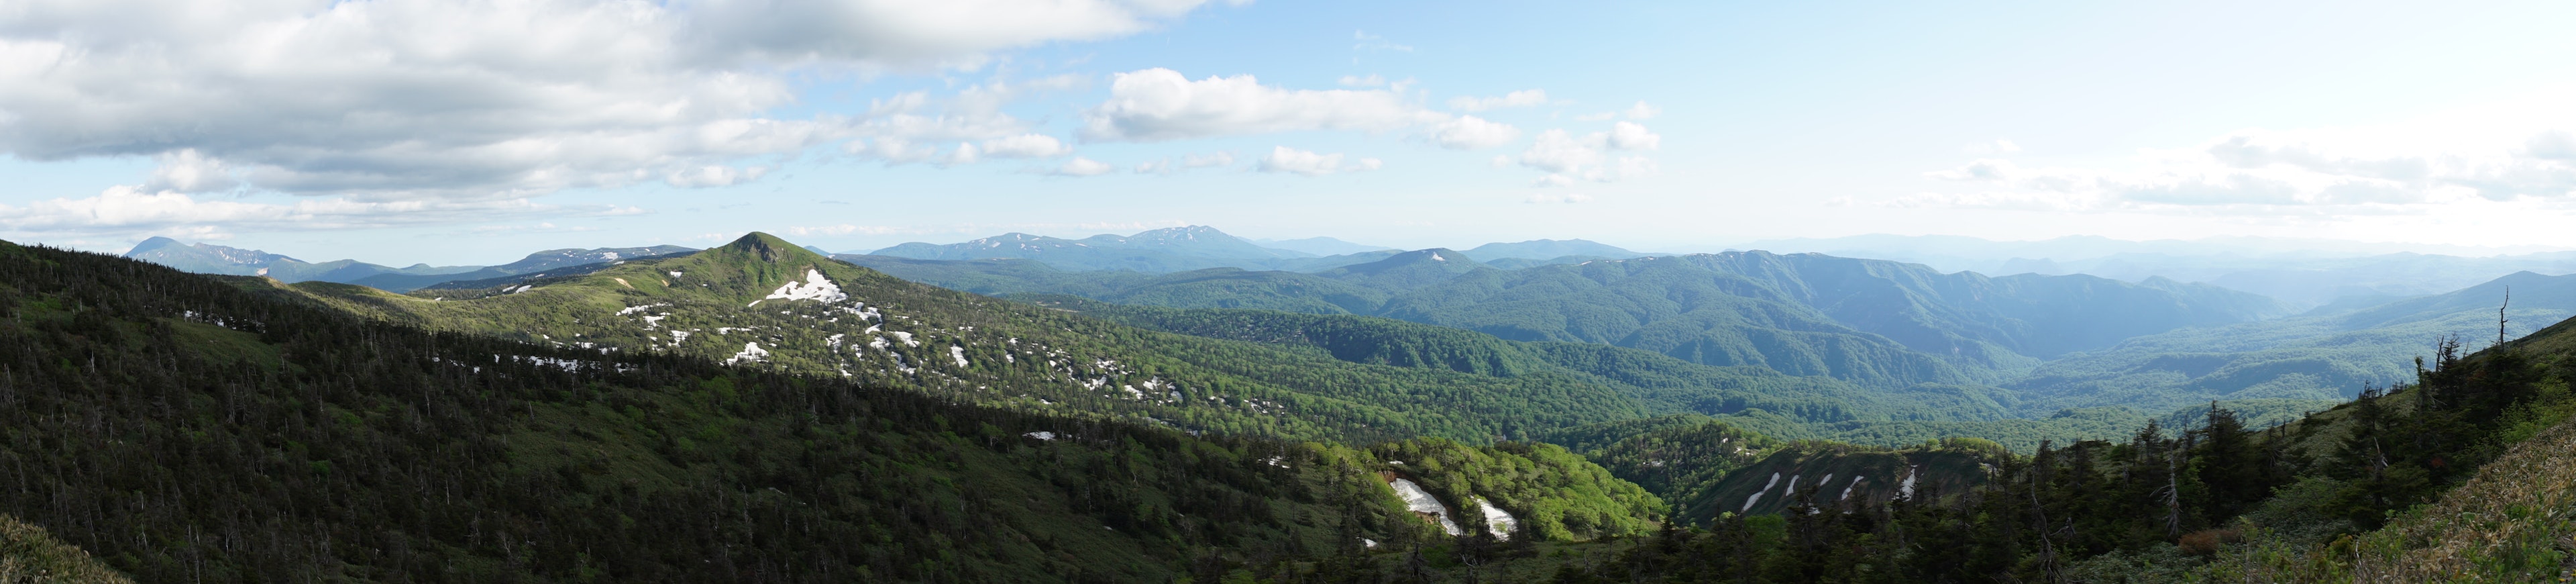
(1435, 256)
(1420, 501)
(905, 337)
(1757, 495)
(1905, 488)
(958, 353)
(751, 353)
(1497, 521)
(1847, 491)
(1041, 435)
(816, 288)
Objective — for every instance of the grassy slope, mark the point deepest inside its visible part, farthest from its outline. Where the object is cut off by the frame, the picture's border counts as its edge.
(28, 555)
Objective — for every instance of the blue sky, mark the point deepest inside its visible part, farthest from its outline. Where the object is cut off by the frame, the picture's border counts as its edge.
(401, 131)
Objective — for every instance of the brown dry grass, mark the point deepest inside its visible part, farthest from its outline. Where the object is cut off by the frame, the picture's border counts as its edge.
(29, 555)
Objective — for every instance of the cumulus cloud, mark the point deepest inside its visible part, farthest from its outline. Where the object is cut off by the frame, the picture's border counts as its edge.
(128, 209)
(715, 176)
(1471, 132)
(2261, 169)
(1641, 111)
(395, 100)
(1357, 81)
(1522, 98)
(1291, 160)
(1568, 158)
(1026, 146)
(1080, 166)
(1154, 105)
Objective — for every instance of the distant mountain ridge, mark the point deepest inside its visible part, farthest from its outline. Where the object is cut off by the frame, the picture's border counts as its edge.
(544, 261)
(1545, 249)
(206, 258)
(1875, 322)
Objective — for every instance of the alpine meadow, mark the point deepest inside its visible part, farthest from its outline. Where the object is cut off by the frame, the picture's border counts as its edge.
(1106, 291)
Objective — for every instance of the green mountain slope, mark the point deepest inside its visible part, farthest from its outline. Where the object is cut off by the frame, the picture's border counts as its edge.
(1877, 323)
(761, 302)
(1157, 251)
(185, 428)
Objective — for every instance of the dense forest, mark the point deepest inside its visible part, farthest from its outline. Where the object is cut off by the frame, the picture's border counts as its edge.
(180, 428)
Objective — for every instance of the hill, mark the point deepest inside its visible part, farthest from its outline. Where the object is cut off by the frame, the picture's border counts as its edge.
(762, 302)
(535, 263)
(2337, 495)
(1157, 251)
(1871, 322)
(206, 258)
(209, 431)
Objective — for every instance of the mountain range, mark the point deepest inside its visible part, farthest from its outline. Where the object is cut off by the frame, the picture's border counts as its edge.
(758, 411)
(205, 258)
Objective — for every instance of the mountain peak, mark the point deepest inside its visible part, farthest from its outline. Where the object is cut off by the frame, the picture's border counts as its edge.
(155, 243)
(770, 248)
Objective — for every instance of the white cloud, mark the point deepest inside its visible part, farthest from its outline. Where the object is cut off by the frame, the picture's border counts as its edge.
(1631, 136)
(390, 100)
(1080, 166)
(1565, 198)
(1357, 81)
(1026, 146)
(2259, 169)
(188, 171)
(714, 176)
(1568, 157)
(1522, 98)
(1471, 132)
(1641, 111)
(129, 209)
(1291, 160)
(1160, 104)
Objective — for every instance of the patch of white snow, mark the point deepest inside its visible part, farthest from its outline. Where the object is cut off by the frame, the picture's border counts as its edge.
(1497, 521)
(1420, 501)
(1757, 495)
(815, 288)
(751, 353)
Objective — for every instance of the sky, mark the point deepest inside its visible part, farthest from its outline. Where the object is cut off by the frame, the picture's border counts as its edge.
(474, 132)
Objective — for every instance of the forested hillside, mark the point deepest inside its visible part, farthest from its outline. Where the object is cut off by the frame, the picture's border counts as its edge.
(763, 303)
(1875, 323)
(2332, 497)
(182, 429)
